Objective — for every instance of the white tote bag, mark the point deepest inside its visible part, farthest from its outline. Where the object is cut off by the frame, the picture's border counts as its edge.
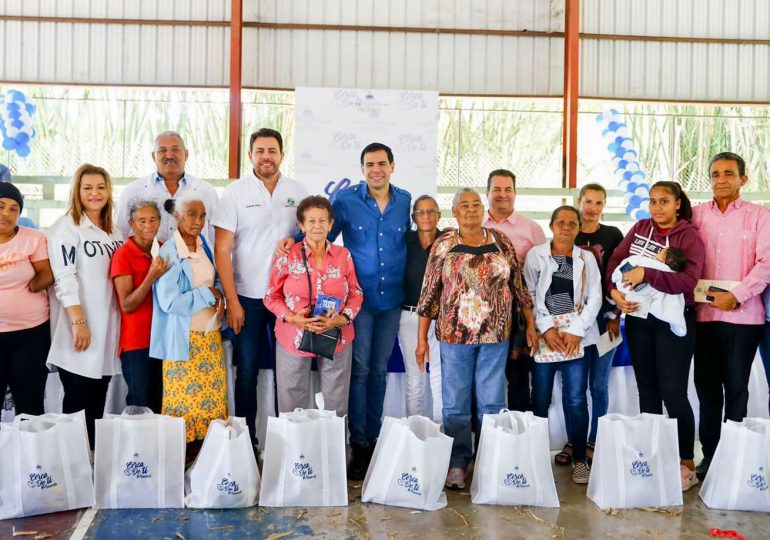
(636, 462)
(45, 465)
(409, 464)
(304, 461)
(739, 475)
(139, 461)
(513, 465)
(225, 473)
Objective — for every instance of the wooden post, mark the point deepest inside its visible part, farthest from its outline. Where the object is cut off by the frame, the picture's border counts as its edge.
(236, 46)
(571, 91)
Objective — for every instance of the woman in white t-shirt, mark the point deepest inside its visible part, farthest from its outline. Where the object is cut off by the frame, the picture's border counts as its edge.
(25, 335)
(85, 320)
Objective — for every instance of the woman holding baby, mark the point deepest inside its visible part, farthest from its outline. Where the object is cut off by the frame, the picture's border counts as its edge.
(661, 358)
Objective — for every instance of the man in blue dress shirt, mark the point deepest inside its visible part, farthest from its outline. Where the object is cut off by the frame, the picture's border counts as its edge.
(373, 218)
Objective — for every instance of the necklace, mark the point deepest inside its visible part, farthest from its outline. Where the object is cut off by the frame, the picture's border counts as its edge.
(483, 240)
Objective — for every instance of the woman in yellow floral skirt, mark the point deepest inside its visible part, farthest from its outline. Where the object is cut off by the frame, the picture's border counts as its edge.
(187, 309)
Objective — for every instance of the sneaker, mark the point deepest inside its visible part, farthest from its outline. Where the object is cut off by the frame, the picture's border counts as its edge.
(689, 478)
(358, 464)
(703, 468)
(455, 478)
(581, 472)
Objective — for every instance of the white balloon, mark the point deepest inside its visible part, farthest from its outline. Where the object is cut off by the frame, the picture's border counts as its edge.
(623, 131)
(645, 205)
(12, 131)
(642, 192)
(28, 129)
(628, 144)
(632, 166)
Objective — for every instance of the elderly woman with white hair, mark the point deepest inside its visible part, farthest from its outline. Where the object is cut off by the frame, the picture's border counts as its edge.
(470, 281)
(187, 308)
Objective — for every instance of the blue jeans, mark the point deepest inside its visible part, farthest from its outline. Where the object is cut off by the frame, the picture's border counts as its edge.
(764, 350)
(468, 370)
(256, 340)
(375, 338)
(574, 378)
(144, 378)
(598, 381)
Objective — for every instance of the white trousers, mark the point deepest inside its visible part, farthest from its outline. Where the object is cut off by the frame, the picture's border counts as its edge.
(414, 393)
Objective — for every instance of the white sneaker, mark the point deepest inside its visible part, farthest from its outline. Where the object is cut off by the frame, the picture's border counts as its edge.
(455, 478)
(689, 478)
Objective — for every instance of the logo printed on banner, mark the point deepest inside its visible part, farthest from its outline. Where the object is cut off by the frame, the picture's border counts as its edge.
(640, 467)
(516, 479)
(335, 185)
(302, 469)
(345, 140)
(41, 479)
(136, 468)
(757, 480)
(410, 482)
(413, 100)
(411, 143)
(229, 486)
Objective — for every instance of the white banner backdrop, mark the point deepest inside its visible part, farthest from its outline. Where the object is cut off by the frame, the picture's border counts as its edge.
(333, 125)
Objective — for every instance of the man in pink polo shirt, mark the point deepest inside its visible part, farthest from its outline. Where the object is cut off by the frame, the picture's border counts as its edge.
(736, 235)
(524, 234)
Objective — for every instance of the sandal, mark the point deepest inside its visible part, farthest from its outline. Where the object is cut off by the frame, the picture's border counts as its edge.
(590, 453)
(565, 456)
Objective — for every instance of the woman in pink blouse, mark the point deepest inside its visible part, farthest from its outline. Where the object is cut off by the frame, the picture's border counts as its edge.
(25, 334)
(332, 275)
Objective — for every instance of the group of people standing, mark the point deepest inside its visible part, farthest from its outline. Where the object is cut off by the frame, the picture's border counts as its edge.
(479, 305)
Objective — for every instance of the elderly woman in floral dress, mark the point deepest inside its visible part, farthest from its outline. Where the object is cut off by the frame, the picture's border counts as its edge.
(469, 286)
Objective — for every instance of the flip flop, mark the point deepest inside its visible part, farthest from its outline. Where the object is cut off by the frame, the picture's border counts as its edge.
(565, 456)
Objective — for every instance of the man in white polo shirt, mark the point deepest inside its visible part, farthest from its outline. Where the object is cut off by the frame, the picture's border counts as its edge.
(170, 179)
(253, 214)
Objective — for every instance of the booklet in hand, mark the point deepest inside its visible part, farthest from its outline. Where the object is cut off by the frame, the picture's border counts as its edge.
(325, 304)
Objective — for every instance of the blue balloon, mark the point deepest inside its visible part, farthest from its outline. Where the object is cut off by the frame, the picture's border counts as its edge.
(630, 209)
(9, 144)
(621, 125)
(627, 175)
(635, 201)
(17, 124)
(14, 115)
(631, 187)
(619, 140)
(623, 163)
(23, 150)
(612, 147)
(30, 108)
(614, 112)
(612, 126)
(12, 107)
(642, 214)
(17, 96)
(599, 117)
(22, 138)
(641, 174)
(605, 132)
(620, 152)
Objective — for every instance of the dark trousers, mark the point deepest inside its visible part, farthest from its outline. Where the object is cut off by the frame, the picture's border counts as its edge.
(83, 393)
(255, 341)
(517, 373)
(144, 378)
(724, 354)
(23, 354)
(662, 368)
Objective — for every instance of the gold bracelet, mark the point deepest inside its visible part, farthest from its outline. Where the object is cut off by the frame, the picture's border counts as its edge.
(76, 323)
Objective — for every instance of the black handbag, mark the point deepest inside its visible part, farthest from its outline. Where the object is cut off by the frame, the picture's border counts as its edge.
(318, 344)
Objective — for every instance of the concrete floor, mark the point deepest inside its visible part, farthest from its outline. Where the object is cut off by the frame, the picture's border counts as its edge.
(578, 517)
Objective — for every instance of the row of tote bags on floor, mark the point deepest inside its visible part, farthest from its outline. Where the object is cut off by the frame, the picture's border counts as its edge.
(139, 463)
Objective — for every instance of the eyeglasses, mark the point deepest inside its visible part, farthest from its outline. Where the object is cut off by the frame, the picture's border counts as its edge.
(420, 213)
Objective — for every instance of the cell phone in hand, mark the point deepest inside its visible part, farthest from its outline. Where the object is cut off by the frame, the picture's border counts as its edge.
(713, 288)
(627, 267)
